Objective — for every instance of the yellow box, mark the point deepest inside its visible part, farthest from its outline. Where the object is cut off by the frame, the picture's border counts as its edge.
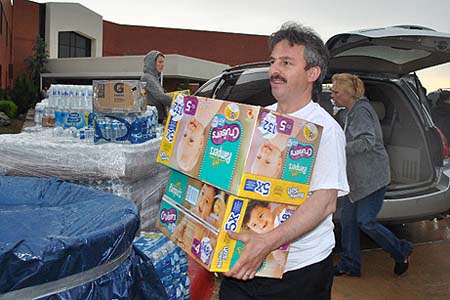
(197, 216)
(245, 150)
(176, 93)
(119, 96)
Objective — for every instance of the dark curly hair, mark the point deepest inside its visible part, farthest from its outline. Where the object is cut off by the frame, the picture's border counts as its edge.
(316, 54)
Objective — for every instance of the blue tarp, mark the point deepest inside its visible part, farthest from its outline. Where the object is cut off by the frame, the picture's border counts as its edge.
(50, 229)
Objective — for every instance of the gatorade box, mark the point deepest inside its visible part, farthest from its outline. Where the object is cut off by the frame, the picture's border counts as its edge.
(245, 150)
(197, 216)
(119, 96)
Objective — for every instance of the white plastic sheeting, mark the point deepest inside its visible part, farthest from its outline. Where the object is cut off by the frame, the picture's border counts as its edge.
(40, 154)
(127, 170)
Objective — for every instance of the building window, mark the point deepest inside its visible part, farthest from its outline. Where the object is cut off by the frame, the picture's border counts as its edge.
(71, 44)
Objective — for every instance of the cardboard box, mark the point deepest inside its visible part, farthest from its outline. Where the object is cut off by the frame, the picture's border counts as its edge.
(119, 96)
(245, 150)
(196, 217)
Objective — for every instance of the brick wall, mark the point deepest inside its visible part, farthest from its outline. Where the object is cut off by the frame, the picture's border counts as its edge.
(228, 48)
(5, 42)
(26, 29)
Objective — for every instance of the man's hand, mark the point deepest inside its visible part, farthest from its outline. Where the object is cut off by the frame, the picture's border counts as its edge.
(314, 210)
(256, 249)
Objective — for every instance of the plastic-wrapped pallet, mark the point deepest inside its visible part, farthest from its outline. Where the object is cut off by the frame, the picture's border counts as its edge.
(126, 170)
(41, 154)
(169, 261)
(146, 192)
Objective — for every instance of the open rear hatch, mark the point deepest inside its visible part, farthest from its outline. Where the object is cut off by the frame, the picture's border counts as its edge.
(394, 52)
(397, 50)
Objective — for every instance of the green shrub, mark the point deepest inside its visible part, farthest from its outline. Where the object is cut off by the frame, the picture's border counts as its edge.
(5, 94)
(24, 93)
(9, 108)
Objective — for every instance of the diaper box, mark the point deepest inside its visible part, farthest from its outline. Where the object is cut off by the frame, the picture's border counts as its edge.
(174, 94)
(119, 96)
(245, 150)
(197, 216)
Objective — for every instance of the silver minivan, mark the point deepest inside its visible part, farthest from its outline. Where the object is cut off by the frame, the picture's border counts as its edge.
(386, 60)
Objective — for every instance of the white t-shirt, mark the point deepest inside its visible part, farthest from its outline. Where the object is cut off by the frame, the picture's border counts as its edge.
(329, 173)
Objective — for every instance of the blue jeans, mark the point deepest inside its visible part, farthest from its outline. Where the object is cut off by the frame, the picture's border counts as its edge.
(363, 214)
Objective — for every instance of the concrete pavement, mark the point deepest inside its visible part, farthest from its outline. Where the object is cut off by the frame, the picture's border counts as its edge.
(428, 277)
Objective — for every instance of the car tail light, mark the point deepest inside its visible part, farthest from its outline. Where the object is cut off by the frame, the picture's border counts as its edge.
(445, 150)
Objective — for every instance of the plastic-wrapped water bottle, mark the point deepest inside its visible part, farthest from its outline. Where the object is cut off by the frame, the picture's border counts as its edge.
(144, 128)
(76, 98)
(82, 135)
(107, 133)
(38, 114)
(135, 132)
(122, 135)
(70, 97)
(89, 133)
(114, 130)
(99, 136)
(89, 97)
(83, 100)
(62, 97)
(154, 122)
(57, 97)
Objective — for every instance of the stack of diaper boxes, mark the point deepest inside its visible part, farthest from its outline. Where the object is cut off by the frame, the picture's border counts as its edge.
(223, 154)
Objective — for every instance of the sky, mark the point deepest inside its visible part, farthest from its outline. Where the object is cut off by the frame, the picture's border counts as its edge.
(327, 17)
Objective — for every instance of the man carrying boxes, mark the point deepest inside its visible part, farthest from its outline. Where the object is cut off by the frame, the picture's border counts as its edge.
(234, 143)
(197, 216)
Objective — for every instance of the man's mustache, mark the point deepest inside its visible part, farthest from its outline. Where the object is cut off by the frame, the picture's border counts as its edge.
(277, 77)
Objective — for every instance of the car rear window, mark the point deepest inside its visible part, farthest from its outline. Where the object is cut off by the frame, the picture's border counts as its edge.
(246, 87)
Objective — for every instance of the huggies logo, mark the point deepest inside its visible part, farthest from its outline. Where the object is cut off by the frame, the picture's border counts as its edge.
(263, 187)
(168, 216)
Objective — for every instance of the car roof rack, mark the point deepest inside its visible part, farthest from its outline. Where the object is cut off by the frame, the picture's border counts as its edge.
(249, 65)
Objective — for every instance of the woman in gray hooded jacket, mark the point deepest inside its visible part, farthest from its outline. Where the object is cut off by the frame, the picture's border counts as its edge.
(153, 67)
(368, 176)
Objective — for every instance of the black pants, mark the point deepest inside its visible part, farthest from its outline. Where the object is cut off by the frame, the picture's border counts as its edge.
(309, 283)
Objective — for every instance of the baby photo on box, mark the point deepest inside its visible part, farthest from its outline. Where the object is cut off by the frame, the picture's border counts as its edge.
(283, 148)
(186, 133)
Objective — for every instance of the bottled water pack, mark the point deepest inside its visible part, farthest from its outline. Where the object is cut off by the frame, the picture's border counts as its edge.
(131, 128)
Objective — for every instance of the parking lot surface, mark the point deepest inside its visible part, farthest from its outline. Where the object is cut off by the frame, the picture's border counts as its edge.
(427, 278)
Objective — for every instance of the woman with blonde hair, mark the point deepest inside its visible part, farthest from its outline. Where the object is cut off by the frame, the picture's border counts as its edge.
(368, 176)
